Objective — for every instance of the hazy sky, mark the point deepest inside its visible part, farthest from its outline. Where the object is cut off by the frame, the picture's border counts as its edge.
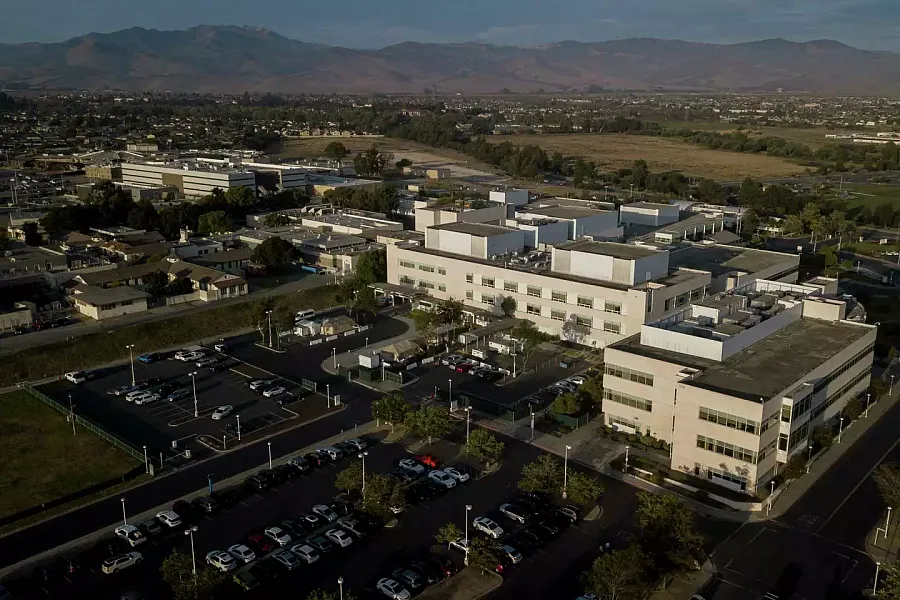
(873, 24)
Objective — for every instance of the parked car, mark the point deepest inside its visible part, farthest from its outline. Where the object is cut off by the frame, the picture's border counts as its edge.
(132, 395)
(427, 570)
(326, 512)
(299, 464)
(452, 360)
(514, 556)
(131, 534)
(464, 367)
(274, 391)
(282, 473)
(428, 460)
(330, 453)
(146, 398)
(76, 377)
(246, 580)
(439, 477)
(242, 553)
(514, 512)
(191, 356)
(321, 544)
(222, 412)
(392, 589)
(150, 527)
(205, 504)
(570, 511)
(295, 529)
(456, 474)
(408, 578)
(220, 560)
(278, 535)
(184, 508)
(287, 559)
(260, 543)
(313, 459)
(256, 482)
(411, 466)
(178, 394)
(357, 444)
(312, 521)
(488, 526)
(353, 526)
(169, 518)
(339, 537)
(148, 358)
(207, 362)
(122, 561)
(577, 380)
(491, 375)
(122, 389)
(222, 348)
(305, 314)
(260, 384)
(306, 553)
(461, 545)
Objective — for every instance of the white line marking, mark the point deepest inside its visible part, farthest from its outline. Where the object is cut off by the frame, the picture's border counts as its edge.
(850, 570)
(758, 533)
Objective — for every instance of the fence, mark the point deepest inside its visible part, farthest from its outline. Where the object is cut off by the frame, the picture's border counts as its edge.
(507, 412)
(87, 424)
(571, 421)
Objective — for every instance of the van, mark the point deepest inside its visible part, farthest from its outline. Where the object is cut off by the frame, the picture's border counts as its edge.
(304, 314)
(132, 396)
(331, 452)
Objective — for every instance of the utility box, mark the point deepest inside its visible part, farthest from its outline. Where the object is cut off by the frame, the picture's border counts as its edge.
(370, 361)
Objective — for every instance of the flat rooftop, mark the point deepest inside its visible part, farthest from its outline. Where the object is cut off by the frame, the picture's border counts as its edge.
(774, 363)
(648, 205)
(476, 229)
(623, 251)
(565, 212)
(719, 259)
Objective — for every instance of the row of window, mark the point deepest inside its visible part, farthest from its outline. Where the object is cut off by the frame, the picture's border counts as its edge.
(537, 292)
(627, 400)
(713, 474)
(823, 383)
(733, 421)
(720, 447)
(839, 393)
(630, 375)
(421, 283)
(614, 420)
(427, 268)
(684, 298)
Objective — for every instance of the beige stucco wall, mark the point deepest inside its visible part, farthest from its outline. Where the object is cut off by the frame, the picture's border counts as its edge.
(118, 310)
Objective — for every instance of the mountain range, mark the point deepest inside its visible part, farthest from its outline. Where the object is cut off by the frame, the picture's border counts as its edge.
(230, 59)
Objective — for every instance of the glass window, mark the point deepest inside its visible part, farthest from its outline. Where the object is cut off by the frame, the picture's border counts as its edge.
(531, 309)
(669, 303)
(469, 295)
(534, 291)
(442, 287)
(407, 280)
(487, 281)
(470, 278)
(613, 307)
(611, 327)
(623, 373)
(786, 413)
(426, 268)
(584, 321)
(407, 264)
(487, 299)
(783, 441)
(442, 271)
(558, 296)
(511, 286)
(585, 302)
(627, 400)
(558, 315)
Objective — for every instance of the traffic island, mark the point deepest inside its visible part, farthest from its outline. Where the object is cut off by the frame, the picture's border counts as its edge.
(468, 584)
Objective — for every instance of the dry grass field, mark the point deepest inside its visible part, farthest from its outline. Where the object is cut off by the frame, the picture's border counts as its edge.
(612, 151)
(814, 138)
(314, 147)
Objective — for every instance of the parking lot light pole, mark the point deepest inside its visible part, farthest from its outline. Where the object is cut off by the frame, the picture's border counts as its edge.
(193, 375)
(334, 358)
(532, 423)
(566, 471)
(327, 395)
(146, 460)
(269, 314)
(868, 396)
(124, 515)
(449, 390)
(771, 493)
(131, 356)
(891, 390)
(190, 532)
(841, 430)
(468, 412)
(209, 478)
(626, 460)
(72, 413)
(341, 587)
(808, 457)
(269, 444)
(363, 456)
(238, 417)
(468, 508)
(875, 584)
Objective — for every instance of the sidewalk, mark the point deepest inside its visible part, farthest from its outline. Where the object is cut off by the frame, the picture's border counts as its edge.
(881, 548)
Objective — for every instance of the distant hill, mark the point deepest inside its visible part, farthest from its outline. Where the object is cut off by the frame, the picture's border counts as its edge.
(237, 59)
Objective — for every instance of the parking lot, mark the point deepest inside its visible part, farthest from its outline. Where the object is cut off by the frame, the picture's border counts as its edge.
(365, 560)
(161, 423)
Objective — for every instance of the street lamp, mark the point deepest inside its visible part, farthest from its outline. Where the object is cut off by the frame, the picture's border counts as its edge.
(875, 584)
(334, 357)
(238, 417)
(193, 375)
(841, 430)
(532, 423)
(808, 457)
(771, 493)
(209, 478)
(566, 471)
(468, 508)
(868, 396)
(131, 356)
(124, 515)
(269, 444)
(146, 460)
(363, 456)
(449, 390)
(190, 532)
(269, 313)
(626, 460)
(468, 412)
(341, 586)
(891, 391)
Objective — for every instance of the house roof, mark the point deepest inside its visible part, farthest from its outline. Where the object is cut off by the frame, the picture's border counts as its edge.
(96, 296)
(219, 258)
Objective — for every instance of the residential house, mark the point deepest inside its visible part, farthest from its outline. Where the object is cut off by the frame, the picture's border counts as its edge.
(103, 303)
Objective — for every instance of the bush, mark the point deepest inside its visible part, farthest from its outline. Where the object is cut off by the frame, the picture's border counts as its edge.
(634, 438)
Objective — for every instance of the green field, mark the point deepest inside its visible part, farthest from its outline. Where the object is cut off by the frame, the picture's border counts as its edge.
(40, 459)
(872, 195)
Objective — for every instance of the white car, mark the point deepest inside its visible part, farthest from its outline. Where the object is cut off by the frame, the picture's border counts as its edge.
(392, 589)
(76, 377)
(190, 356)
(287, 559)
(326, 512)
(456, 474)
(131, 396)
(258, 384)
(306, 553)
(123, 561)
(513, 512)
(577, 380)
(462, 544)
(339, 537)
(169, 517)
(146, 399)
(357, 444)
(514, 556)
(278, 535)
(441, 478)
(220, 348)
(222, 412)
(221, 560)
(489, 526)
(242, 553)
(130, 534)
(412, 466)
(275, 391)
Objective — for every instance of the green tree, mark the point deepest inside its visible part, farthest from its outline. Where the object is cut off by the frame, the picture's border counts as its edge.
(619, 575)
(371, 268)
(283, 317)
(749, 223)
(391, 409)
(887, 478)
(710, 191)
(452, 312)
(566, 404)
(275, 253)
(276, 220)
(259, 317)
(240, 197)
(430, 422)
(143, 216)
(591, 393)
(382, 493)
(508, 306)
(583, 489)
(448, 532)
(179, 286)
(4, 240)
(484, 554)
(155, 282)
(426, 324)
(889, 584)
(484, 445)
(667, 532)
(543, 475)
(177, 572)
(853, 408)
(31, 234)
(528, 337)
(350, 479)
(336, 151)
(213, 223)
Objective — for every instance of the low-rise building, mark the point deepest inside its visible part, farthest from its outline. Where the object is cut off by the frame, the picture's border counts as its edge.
(648, 213)
(104, 303)
(430, 213)
(515, 197)
(601, 225)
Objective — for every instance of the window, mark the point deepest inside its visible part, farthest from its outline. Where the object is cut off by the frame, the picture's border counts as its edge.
(712, 474)
(697, 294)
(798, 435)
(408, 265)
(720, 447)
(558, 296)
(681, 300)
(470, 295)
(534, 291)
(511, 286)
(487, 281)
(470, 278)
(623, 373)
(584, 321)
(612, 307)
(614, 420)
(426, 284)
(801, 407)
(487, 299)
(407, 280)
(585, 302)
(669, 303)
(442, 271)
(558, 315)
(782, 441)
(531, 309)
(426, 268)
(832, 398)
(786, 413)
(610, 327)
(442, 287)
(733, 421)
(823, 383)
(627, 400)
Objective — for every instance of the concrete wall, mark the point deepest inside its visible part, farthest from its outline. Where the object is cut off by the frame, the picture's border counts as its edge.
(551, 233)
(595, 224)
(514, 197)
(655, 215)
(15, 318)
(118, 310)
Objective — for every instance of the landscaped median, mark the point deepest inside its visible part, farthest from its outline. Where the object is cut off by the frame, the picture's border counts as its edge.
(107, 347)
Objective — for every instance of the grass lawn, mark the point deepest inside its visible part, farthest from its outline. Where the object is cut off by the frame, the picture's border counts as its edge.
(872, 195)
(40, 459)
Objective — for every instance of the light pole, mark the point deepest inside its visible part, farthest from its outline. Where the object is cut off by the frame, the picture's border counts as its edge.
(566, 471)
(193, 375)
(875, 584)
(146, 460)
(327, 395)
(72, 413)
(190, 532)
(868, 396)
(238, 417)
(269, 444)
(808, 457)
(341, 587)
(363, 456)
(449, 390)
(626, 460)
(532, 423)
(841, 430)
(771, 493)
(468, 412)
(468, 508)
(131, 356)
(124, 515)
(891, 391)
(269, 314)
(334, 357)
(367, 342)
(209, 478)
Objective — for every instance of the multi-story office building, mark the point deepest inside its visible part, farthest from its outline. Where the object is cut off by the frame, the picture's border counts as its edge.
(595, 293)
(192, 179)
(738, 381)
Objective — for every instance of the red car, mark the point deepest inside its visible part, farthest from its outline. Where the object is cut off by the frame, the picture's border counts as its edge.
(463, 368)
(428, 460)
(260, 543)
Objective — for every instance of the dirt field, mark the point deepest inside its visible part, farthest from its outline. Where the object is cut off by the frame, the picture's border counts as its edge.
(313, 147)
(615, 151)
